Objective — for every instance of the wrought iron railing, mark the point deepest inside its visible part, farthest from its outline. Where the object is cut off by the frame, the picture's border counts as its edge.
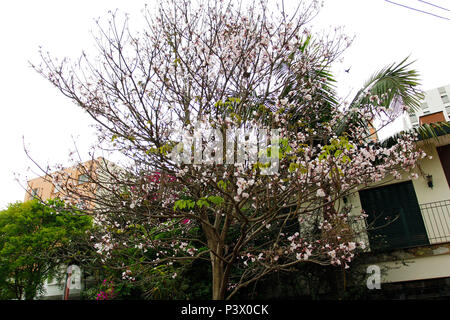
(436, 217)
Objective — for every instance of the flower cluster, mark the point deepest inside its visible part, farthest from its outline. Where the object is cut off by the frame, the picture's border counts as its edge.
(106, 291)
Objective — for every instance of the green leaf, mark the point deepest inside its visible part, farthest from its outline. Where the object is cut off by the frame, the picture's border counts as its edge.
(216, 200)
(202, 202)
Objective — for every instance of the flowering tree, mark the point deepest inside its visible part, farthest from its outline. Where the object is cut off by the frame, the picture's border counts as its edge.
(182, 101)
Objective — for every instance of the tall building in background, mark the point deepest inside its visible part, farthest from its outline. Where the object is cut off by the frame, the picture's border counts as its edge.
(76, 185)
(52, 185)
(435, 107)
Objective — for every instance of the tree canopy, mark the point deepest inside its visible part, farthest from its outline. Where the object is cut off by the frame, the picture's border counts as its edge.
(240, 151)
(33, 241)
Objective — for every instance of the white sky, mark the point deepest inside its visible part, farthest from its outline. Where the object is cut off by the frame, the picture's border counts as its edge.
(31, 107)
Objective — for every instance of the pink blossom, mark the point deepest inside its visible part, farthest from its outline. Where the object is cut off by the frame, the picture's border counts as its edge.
(320, 193)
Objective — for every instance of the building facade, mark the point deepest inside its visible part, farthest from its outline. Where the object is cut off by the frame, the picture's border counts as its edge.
(409, 219)
(435, 107)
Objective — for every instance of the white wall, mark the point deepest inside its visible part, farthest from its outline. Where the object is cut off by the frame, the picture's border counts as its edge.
(437, 266)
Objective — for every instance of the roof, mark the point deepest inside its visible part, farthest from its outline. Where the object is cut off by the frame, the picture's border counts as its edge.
(425, 131)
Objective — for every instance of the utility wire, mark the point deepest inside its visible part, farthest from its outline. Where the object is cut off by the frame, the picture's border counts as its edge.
(432, 14)
(434, 5)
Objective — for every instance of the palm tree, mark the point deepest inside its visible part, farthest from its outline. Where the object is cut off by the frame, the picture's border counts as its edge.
(396, 86)
(399, 85)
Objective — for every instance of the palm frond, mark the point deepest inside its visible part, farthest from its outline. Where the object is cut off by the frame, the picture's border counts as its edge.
(393, 85)
(293, 82)
(395, 81)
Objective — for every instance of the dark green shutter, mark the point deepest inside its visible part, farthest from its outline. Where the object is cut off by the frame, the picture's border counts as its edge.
(383, 205)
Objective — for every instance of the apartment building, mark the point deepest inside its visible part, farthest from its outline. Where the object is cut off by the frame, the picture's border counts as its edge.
(435, 107)
(56, 184)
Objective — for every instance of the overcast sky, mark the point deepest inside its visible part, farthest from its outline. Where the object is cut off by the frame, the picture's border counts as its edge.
(33, 109)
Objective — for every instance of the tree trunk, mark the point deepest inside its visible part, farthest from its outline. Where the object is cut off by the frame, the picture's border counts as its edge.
(218, 278)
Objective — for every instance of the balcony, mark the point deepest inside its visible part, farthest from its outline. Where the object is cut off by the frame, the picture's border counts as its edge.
(436, 217)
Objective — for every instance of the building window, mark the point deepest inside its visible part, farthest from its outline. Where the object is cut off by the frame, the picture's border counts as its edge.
(394, 217)
(83, 178)
(34, 193)
(81, 205)
(57, 188)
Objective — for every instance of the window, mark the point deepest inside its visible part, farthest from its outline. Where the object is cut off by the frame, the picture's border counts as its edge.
(83, 178)
(81, 204)
(413, 117)
(57, 188)
(394, 217)
(34, 193)
(443, 94)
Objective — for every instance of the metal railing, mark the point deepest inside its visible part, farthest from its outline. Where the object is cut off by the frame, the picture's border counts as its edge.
(436, 217)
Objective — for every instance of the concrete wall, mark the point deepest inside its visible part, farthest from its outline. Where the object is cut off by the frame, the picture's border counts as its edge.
(430, 267)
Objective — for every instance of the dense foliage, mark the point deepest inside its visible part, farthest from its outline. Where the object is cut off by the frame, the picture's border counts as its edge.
(34, 238)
